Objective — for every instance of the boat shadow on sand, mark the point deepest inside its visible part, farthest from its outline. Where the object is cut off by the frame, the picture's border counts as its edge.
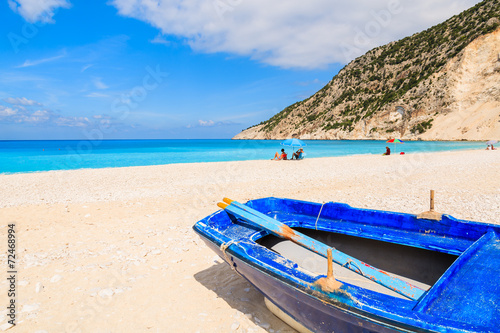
(241, 296)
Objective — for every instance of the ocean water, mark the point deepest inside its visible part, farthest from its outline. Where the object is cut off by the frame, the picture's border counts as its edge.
(32, 156)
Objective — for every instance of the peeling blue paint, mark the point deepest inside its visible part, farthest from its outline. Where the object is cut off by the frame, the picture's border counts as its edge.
(465, 299)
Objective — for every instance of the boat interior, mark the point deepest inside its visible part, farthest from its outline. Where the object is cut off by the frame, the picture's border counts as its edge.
(419, 267)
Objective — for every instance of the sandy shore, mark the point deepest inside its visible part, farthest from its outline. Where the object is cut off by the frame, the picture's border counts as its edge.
(112, 250)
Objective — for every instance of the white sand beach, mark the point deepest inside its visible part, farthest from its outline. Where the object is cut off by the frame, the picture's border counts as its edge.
(113, 250)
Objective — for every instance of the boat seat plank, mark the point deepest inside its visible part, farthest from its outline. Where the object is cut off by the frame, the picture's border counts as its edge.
(470, 282)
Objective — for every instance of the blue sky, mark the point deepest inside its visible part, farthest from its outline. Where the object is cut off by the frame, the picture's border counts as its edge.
(181, 69)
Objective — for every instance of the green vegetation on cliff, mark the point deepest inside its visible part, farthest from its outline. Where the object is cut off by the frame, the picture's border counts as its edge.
(388, 73)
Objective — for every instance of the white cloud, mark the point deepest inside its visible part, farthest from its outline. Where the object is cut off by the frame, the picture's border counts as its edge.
(97, 95)
(21, 114)
(38, 10)
(211, 123)
(21, 101)
(291, 33)
(6, 112)
(99, 84)
(35, 116)
(29, 63)
(206, 123)
(39, 116)
(72, 121)
(31, 113)
(159, 39)
(86, 67)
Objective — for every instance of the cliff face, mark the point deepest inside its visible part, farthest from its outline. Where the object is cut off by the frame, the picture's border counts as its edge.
(440, 84)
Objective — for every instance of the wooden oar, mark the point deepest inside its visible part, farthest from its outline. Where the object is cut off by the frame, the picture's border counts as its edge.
(281, 230)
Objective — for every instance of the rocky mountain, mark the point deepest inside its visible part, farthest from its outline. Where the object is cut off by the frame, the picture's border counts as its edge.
(439, 84)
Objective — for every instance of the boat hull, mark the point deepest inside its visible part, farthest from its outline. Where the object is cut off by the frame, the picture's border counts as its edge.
(311, 312)
(461, 294)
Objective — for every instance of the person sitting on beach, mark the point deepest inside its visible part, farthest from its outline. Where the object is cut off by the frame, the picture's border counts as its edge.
(298, 154)
(387, 151)
(281, 156)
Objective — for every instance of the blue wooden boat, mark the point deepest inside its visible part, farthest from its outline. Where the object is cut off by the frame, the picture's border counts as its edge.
(393, 272)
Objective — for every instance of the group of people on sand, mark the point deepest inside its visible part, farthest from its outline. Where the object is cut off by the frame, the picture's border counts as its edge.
(298, 154)
(490, 147)
(283, 156)
(388, 152)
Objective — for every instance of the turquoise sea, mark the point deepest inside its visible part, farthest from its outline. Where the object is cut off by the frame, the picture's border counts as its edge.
(31, 156)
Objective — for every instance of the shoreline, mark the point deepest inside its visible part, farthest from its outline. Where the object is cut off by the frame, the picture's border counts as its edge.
(226, 172)
(203, 162)
(233, 138)
(114, 249)
(382, 140)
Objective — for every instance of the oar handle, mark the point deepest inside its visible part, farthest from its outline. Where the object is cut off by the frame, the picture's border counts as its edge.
(222, 205)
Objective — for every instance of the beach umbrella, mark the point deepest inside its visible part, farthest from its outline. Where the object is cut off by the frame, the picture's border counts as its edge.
(395, 141)
(293, 143)
(491, 142)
